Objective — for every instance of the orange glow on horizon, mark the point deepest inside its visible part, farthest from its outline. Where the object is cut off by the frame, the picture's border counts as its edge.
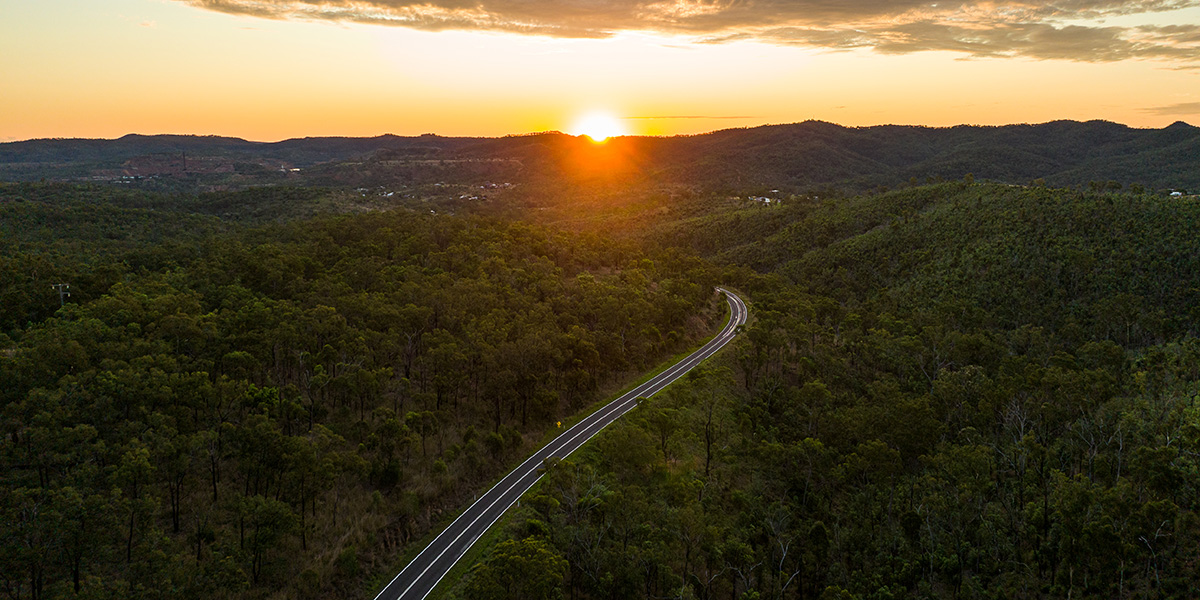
(105, 69)
(584, 160)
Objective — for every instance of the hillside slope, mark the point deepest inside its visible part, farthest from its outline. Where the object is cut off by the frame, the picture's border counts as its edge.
(791, 157)
(951, 391)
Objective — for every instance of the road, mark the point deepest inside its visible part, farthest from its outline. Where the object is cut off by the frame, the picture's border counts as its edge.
(431, 565)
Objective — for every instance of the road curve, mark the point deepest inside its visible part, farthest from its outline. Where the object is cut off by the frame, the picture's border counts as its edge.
(425, 571)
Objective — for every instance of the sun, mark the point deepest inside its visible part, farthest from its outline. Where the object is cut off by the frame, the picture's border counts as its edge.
(598, 125)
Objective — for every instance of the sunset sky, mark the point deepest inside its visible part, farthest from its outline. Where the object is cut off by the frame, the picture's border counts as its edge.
(276, 69)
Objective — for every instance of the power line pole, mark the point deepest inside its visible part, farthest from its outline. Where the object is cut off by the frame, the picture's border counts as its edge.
(63, 292)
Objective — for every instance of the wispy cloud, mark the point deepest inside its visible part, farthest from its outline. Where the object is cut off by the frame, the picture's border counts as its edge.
(975, 28)
(1170, 110)
(663, 117)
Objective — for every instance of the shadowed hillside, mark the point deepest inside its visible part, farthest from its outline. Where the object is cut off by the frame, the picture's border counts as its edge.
(950, 391)
(967, 389)
(792, 157)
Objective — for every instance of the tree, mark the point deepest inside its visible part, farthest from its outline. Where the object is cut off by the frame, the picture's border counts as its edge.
(527, 569)
(269, 521)
(134, 472)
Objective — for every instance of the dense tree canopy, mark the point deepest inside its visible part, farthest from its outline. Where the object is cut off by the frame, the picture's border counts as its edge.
(291, 406)
(955, 390)
(959, 391)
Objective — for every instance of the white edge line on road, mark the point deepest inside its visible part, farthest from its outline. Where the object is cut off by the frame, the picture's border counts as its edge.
(735, 319)
(518, 470)
(721, 339)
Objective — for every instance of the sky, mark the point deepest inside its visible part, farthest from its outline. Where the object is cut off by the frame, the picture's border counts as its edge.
(275, 69)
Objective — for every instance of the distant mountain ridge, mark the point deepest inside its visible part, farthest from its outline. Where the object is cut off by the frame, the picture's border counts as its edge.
(302, 151)
(1062, 152)
(794, 156)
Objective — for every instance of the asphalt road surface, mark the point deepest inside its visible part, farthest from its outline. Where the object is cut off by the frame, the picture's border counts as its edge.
(431, 565)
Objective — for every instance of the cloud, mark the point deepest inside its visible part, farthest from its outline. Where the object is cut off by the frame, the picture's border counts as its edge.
(663, 117)
(1041, 41)
(976, 28)
(1183, 108)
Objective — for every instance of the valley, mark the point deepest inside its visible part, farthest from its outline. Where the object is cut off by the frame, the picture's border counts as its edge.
(969, 370)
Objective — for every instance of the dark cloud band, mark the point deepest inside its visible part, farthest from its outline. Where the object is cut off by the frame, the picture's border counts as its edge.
(979, 28)
(1172, 110)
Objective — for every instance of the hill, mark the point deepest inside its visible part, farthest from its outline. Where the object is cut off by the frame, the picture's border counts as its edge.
(299, 151)
(950, 391)
(789, 157)
(230, 411)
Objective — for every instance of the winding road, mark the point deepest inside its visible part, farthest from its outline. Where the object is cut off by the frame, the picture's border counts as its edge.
(425, 571)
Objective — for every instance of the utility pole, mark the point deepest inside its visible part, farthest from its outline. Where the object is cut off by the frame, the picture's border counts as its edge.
(63, 292)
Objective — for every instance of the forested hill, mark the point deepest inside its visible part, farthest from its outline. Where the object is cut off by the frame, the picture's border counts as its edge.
(792, 157)
(228, 412)
(959, 390)
(814, 154)
(1064, 153)
(299, 151)
(951, 391)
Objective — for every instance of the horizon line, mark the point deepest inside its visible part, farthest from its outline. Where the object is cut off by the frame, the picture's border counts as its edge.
(553, 132)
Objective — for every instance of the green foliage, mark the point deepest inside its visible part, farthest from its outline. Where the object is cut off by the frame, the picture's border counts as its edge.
(794, 156)
(1086, 265)
(518, 570)
(904, 418)
(955, 390)
(304, 399)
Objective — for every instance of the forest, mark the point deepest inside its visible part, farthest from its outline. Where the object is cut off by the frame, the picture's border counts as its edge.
(244, 409)
(793, 158)
(960, 389)
(953, 391)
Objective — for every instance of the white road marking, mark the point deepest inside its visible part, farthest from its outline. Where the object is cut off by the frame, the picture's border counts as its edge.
(620, 406)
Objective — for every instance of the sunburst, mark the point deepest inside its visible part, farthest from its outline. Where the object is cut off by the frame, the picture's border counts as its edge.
(598, 125)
